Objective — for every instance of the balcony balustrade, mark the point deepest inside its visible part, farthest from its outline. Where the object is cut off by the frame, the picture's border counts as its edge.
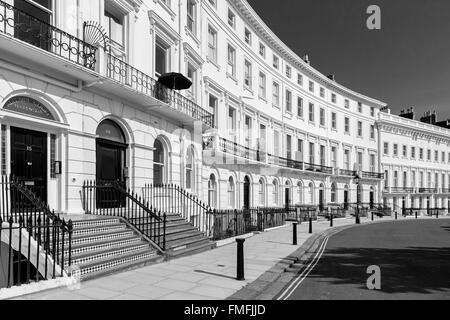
(20, 25)
(131, 77)
(284, 162)
(372, 175)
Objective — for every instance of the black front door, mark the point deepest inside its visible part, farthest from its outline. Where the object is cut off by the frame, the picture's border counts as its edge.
(321, 201)
(247, 193)
(29, 160)
(372, 199)
(110, 169)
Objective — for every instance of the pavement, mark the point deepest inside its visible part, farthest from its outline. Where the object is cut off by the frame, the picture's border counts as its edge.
(206, 276)
(413, 258)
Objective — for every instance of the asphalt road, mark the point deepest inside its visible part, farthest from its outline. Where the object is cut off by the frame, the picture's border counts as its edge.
(413, 256)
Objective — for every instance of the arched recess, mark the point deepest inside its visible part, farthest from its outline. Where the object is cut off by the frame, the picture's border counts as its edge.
(111, 152)
(333, 198)
(346, 197)
(190, 170)
(161, 160)
(300, 195)
(288, 193)
(322, 197)
(33, 144)
(231, 192)
(247, 195)
(212, 191)
(311, 193)
(262, 201)
(276, 192)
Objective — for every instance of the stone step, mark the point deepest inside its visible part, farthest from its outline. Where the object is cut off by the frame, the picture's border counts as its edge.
(101, 237)
(92, 230)
(182, 235)
(103, 245)
(185, 241)
(191, 249)
(108, 253)
(95, 222)
(112, 265)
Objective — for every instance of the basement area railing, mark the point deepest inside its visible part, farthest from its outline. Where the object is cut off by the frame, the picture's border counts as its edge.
(22, 26)
(35, 244)
(110, 198)
(233, 223)
(173, 199)
(125, 74)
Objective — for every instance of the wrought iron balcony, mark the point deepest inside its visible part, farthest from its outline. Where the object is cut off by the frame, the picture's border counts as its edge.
(318, 168)
(402, 190)
(345, 172)
(428, 190)
(284, 162)
(235, 149)
(129, 76)
(22, 26)
(372, 175)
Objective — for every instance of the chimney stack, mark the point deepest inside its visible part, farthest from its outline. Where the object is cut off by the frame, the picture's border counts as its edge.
(306, 59)
(332, 77)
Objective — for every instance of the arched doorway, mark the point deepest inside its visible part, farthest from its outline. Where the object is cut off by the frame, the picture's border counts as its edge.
(247, 188)
(346, 199)
(111, 153)
(190, 170)
(372, 197)
(159, 163)
(321, 197)
(287, 194)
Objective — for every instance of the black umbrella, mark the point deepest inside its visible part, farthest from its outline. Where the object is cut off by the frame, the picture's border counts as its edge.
(175, 81)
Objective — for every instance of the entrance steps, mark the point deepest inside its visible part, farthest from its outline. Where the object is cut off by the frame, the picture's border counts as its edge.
(183, 239)
(105, 245)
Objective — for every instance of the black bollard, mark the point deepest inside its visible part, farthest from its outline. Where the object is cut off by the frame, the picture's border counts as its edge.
(372, 216)
(437, 214)
(310, 225)
(331, 220)
(294, 234)
(396, 215)
(416, 215)
(240, 259)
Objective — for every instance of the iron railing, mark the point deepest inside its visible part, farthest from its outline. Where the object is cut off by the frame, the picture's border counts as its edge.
(21, 25)
(236, 149)
(106, 198)
(284, 162)
(35, 243)
(402, 190)
(372, 175)
(173, 199)
(32, 252)
(427, 190)
(428, 211)
(301, 213)
(318, 168)
(127, 75)
(233, 223)
(345, 172)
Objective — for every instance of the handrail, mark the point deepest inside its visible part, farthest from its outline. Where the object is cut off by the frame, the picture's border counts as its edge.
(16, 23)
(109, 198)
(173, 199)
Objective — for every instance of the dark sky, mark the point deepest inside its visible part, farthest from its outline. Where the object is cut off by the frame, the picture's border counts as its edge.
(406, 63)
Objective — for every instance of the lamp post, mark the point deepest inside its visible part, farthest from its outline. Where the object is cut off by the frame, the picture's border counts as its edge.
(357, 181)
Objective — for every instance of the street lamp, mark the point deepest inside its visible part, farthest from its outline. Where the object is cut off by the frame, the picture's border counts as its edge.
(357, 180)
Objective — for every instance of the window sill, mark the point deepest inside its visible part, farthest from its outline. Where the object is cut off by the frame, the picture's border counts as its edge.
(192, 35)
(230, 76)
(262, 98)
(214, 63)
(167, 8)
(275, 106)
(312, 123)
(249, 90)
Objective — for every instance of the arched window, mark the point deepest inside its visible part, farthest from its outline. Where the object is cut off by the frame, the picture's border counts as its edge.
(275, 197)
(333, 193)
(262, 195)
(212, 191)
(231, 192)
(311, 193)
(159, 163)
(300, 192)
(190, 170)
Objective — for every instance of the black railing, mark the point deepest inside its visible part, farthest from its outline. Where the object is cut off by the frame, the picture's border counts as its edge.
(21, 25)
(125, 74)
(236, 149)
(35, 243)
(32, 252)
(318, 168)
(428, 211)
(173, 199)
(284, 162)
(233, 223)
(428, 190)
(302, 213)
(372, 175)
(345, 172)
(112, 199)
(402, 190)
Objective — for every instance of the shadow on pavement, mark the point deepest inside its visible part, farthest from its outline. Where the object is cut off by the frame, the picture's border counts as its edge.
(410, 270)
